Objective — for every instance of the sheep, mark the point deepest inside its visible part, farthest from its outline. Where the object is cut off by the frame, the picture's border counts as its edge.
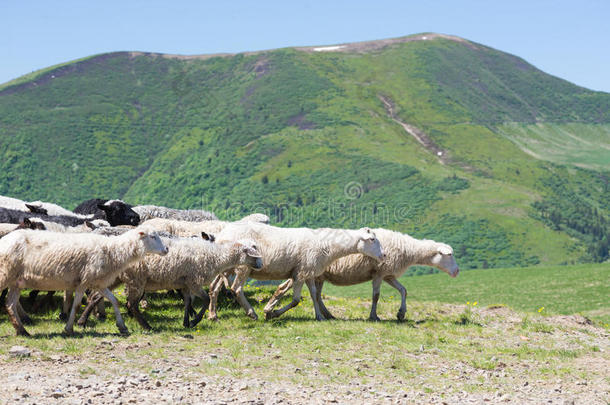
(186, 228)
(300, 254)
(38, 207)
(147, 212)
(402, 251)
(191, 264)
(60, 261)
(116, 212)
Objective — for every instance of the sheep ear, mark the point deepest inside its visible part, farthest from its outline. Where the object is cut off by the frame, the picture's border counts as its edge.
(208, 236)
(102, 207)
(445, 250)
(26, 222)
(36, 209)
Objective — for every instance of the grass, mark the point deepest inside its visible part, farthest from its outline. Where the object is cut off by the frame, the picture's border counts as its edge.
(559, 289)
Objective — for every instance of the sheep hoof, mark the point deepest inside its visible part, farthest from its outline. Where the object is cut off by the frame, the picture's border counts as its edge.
(213, 318)
(63, 316)
(270, 315)
(374, 319)
(252, 315)
(125, 331)
(68, 332)
(22, 332)
(401, 316)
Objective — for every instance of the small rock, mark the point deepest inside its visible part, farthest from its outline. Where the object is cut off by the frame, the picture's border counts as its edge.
(19, 351)
(213, 356)
(157, 383)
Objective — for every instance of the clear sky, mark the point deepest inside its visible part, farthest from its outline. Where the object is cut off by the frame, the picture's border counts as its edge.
(569, 39)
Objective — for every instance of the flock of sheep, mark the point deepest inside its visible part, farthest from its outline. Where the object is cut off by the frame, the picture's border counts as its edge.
(106, 243)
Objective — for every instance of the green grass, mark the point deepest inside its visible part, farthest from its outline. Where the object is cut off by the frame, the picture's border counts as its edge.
(559, 289)
(584, 145)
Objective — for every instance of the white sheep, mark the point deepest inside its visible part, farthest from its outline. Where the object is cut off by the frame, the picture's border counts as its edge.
(402, 251)
(191, 264)
(188, 228)
(147, 212)
(299, 254)
(60, 261)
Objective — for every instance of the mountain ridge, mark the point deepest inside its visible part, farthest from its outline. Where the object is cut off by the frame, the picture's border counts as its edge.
(289, 132)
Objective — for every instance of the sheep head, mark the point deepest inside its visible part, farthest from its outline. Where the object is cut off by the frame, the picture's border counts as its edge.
(248, 253)
(152, 242)
(441, 257)
(119, 213)
(369, 245)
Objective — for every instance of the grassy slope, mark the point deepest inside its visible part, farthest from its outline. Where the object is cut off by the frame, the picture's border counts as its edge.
(285, 131)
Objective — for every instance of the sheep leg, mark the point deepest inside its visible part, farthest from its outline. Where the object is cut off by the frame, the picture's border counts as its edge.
(187, 305)
(133, 299)
(25, 318)
(67, 304)
(376, 289)
(402, 311)
(238, 290)
(325, 311)
(100, 310)
(311, 285)
(94, 299)
(78, 298)
(12, 301)
(117, 312)
(277, 295)
(206, 302)
(297, 286)
(215, 288)
(32, 297)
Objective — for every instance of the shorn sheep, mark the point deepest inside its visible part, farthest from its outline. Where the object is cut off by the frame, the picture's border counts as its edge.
(299, 254)
(147, 212)
(60, 261)
(402, 251)
(116, 212)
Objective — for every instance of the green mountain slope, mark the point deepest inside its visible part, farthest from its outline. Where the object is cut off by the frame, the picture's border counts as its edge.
(427, 134)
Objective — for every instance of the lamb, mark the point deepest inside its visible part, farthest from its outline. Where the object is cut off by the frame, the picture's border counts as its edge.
(147, 212)
(402, 251)
(60, 261)
(299, 254)
(191, 264)
(116, 212)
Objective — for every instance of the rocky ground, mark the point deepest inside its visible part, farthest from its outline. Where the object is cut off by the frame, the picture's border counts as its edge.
(184, 368)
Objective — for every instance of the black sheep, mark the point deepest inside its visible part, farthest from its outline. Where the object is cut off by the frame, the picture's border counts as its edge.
(116, 212)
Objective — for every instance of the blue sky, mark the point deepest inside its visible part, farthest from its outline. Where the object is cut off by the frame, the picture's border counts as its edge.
(569, 39)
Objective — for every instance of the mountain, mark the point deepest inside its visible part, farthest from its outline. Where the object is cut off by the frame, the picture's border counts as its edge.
(428, 134)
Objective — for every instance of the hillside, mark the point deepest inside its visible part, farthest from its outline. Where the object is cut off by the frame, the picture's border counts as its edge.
(429, 134)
